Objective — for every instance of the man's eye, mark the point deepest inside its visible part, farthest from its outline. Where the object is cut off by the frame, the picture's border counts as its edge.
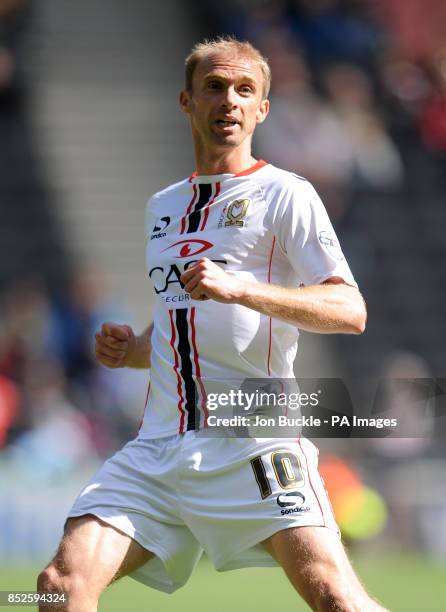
(246, 89)
(213, 85)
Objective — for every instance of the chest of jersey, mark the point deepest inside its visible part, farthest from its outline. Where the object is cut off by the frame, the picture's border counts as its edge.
(225, 223)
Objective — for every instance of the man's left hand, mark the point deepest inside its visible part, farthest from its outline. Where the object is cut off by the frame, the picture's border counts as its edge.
(205, 280)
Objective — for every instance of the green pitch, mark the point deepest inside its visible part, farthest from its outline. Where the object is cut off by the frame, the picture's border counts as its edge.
(403, 584)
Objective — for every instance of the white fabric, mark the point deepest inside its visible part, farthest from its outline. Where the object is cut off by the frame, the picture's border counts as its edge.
(180, 494)
(284, 238)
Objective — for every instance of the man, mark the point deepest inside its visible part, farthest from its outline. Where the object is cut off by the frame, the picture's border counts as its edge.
(228, 251)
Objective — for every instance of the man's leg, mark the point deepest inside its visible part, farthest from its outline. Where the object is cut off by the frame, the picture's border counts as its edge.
(91, 555)
(316, 564)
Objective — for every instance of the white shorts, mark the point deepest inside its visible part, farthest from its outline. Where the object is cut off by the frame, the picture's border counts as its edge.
(179, 495)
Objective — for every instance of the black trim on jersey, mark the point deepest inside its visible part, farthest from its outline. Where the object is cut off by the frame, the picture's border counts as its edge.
(184, 350)
(193, 222)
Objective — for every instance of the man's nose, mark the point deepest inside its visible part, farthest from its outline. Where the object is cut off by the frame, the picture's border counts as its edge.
(229, 99)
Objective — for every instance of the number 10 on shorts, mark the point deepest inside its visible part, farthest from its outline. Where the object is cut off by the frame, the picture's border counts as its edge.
(287, 469)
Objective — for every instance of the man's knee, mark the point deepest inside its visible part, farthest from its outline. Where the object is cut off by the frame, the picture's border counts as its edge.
(72, 583)
(49, 580)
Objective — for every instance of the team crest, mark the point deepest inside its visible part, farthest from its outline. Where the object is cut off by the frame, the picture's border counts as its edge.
(235, 213)
(330, 243)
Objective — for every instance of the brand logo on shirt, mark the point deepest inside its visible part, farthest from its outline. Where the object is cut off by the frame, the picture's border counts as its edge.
(235, 213)
(189, 248)
(159, 228)
(331, 245)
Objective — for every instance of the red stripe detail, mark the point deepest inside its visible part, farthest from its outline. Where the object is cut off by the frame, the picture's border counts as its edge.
(206, 208)
(311, 484)
(197, 368)
(270, 320)
(254, 168)
(192, 176)
(191, 203)
(179, 389)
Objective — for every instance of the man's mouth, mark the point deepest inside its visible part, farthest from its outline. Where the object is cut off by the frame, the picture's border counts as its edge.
(226, 123)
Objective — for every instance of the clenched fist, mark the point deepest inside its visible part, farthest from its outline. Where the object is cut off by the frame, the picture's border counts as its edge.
(205, 280)
(115, 345)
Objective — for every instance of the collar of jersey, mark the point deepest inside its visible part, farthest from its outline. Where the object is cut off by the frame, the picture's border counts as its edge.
(214, 178)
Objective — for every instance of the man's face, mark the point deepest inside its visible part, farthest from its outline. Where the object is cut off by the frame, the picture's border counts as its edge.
(226, 102)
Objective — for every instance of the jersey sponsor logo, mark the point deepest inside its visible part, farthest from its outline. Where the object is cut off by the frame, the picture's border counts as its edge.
(164, 276)
(236, 212)
(292, 502)
(331, 244)
(190, 248)
(159, 227)
(176, 299)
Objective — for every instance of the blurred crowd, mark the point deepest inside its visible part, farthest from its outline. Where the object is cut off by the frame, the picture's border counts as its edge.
(58, 408)
(356, 85)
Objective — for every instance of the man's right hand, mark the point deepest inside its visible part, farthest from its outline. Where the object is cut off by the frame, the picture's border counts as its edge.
(115, 345)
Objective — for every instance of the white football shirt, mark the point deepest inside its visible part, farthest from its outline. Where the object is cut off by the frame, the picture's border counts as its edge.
(264, 224)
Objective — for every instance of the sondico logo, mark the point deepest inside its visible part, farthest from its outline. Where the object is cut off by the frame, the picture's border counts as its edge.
(236, 212)
(292, 502)
(189, 248)
(159, 228)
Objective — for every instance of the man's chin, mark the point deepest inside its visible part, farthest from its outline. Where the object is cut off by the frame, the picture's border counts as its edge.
(226, 140)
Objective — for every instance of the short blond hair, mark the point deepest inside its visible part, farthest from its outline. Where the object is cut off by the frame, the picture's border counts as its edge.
(226, 44)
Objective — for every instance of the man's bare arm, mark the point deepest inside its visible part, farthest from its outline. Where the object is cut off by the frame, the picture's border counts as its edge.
(332, 307)
(118, 347)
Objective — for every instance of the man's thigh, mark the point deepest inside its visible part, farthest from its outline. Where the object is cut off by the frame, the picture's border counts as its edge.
(316, 563)
(135, 491)
(97, 553)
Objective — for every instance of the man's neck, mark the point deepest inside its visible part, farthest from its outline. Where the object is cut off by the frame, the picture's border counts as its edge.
(231, 162)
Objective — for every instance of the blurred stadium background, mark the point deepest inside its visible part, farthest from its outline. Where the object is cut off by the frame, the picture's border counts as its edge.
(90, 127)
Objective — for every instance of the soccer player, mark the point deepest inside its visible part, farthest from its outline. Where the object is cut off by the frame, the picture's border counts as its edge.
(240, 255)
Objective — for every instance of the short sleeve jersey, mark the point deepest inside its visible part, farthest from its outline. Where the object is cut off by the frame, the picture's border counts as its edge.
(264, 224)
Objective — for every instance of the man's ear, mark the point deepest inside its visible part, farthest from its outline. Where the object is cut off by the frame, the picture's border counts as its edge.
(185, 101)
(263, 111)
